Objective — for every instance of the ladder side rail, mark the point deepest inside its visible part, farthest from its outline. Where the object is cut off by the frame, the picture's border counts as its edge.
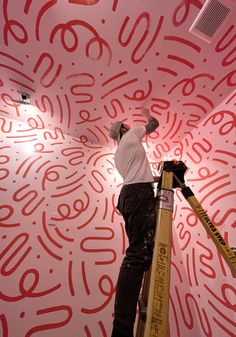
(211, 229)
(158, 298)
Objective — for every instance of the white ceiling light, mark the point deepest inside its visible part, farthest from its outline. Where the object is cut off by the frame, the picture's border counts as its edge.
(23, 98)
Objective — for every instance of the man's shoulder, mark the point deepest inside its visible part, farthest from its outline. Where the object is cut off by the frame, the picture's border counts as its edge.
(139, 131)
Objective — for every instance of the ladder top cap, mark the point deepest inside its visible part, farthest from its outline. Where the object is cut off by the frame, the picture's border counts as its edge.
(175, 166)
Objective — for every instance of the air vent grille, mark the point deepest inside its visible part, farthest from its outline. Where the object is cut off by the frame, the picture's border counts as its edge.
(211, 17)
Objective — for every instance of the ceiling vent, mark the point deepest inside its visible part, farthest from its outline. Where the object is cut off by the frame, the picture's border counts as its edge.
(211, 18)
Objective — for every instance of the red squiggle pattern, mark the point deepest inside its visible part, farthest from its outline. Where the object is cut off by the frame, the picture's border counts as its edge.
(85, 65)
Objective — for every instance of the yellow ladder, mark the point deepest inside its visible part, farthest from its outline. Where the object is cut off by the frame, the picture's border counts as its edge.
(154, 298)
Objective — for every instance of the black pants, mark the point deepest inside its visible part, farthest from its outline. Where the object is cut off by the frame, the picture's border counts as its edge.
(137, 205)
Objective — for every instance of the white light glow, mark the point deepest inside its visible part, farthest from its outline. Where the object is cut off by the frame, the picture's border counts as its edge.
(28, 148)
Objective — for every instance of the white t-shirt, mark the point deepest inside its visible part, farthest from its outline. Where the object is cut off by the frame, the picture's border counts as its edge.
(131, 159)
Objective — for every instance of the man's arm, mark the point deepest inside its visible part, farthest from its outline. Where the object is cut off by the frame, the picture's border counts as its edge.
(152, 121)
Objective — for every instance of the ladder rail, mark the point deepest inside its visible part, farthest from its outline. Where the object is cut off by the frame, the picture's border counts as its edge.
(217, 238)
(158, 297)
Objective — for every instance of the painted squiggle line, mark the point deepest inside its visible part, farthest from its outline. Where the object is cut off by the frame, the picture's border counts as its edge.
(70, 279)
(55, 256)
(50, 238)
(168, 71)
(119, 87)
(17, 72)
(3, 320)
(181, 60)
(197, 106)
(21, 84)
(50, 326)
(42, 11)
(62, 236)
(85, 278)
(89, 220)
(11, 58)
(109, 295)
(183, 41)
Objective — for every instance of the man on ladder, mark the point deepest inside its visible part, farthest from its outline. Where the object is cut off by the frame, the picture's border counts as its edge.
(137, 206)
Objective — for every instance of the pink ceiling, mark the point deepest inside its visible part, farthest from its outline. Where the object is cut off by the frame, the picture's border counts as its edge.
(87, 63)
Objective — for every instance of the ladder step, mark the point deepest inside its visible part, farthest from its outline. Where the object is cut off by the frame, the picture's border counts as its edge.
(142, 309)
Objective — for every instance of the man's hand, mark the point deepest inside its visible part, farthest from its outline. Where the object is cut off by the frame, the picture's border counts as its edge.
(145, 112)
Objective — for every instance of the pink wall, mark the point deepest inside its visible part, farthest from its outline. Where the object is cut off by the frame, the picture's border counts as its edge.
(86, 63)
(62, 240)
(61, 237)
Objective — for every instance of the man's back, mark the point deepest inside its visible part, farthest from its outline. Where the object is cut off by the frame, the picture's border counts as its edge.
(131, 159)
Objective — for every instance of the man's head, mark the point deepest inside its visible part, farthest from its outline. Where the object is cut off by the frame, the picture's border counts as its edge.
(117, 130)
(114, 131)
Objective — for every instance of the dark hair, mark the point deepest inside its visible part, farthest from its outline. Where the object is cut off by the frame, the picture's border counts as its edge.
(121, 134)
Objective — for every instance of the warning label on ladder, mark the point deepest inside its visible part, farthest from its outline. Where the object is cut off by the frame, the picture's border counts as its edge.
(161, 277)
